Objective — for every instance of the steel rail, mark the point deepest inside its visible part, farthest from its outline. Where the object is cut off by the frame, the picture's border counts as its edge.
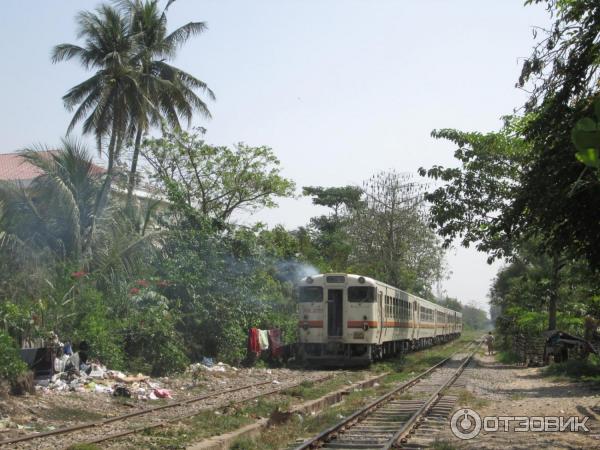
(331, 432)
(403, 432)
(192, 414)
(99, 423)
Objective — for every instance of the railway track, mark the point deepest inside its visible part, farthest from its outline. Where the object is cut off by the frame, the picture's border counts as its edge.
(396, 420)
(144, 419)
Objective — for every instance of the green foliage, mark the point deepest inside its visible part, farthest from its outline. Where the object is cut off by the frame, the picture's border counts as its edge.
(224, 284)
(557, 197)
(134, 86)
(586, 138)
(152, 343)
(11, 364)
(451, 303)
(474, 318)
(582, 370)
(507, 357)
(83, 447)
(327, 235)
(95, 322)
(169, 89)
(380, 230)
(390, 237)
(524, 290)
(519, 193)
(336, 198)
(204, 181)
(476, 198)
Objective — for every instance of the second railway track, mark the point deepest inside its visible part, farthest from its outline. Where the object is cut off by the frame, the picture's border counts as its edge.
(142, 419)
(391, 420)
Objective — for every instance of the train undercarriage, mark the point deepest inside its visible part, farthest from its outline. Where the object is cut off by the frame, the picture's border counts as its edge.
(340, 354)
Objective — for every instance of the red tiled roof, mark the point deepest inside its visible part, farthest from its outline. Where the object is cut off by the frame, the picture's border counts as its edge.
(13, 167)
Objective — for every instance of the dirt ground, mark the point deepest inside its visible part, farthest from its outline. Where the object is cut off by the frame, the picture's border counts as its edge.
(47, 410)
(509, 390)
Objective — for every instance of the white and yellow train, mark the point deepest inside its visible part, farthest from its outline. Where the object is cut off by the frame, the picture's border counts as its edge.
(351, 320)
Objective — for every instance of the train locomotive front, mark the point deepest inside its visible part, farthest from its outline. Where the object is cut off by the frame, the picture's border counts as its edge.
(350, 320)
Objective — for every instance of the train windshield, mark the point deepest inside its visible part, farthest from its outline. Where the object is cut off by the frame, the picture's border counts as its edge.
(308, 294)
(360, 294)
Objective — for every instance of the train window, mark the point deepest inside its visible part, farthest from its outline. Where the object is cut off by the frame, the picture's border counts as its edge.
(426, 314)
(309, 294)
(336, 279)
(361, 294)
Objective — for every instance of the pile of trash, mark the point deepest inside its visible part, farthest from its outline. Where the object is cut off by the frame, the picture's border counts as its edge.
(73, 371)
(103, 381)
(208, 365)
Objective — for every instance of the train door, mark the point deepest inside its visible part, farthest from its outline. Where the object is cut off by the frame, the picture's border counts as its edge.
(335, 312)
(415, 320)
(380, 316)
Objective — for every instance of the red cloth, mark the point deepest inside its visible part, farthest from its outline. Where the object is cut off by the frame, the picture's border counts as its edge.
(275, 342)
(253, 344)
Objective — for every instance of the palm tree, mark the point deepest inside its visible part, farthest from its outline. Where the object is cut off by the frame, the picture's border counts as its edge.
(170, 90)
(62, 216)
(60, 209)
(106, 100)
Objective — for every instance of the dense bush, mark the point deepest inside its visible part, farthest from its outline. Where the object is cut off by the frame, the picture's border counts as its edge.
(221, 284)
(11, 364)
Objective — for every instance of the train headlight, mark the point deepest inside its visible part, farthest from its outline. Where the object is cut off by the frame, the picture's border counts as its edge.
(309, 280)
(361, 280)
(365, 326)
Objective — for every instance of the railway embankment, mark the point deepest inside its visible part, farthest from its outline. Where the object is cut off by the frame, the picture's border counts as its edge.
(556, 407)
(526, 407)
(292, 401)
(296, 427)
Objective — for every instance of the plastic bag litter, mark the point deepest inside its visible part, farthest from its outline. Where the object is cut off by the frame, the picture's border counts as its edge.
(101, 389)
(98, 371)
(219, 367)
(162, 393)
(60, 363)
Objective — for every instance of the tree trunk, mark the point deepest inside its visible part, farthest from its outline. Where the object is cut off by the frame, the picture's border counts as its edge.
(552, 311)
(553, 297)
(111, 150)
(133, 170)
(115, 139)
(102, 200)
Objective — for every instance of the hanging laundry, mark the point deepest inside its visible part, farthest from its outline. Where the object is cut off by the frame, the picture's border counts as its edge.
(275, 342)
(263, 339)
(253, 343)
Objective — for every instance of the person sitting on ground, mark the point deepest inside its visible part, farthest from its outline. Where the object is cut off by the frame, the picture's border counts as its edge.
(489, 340)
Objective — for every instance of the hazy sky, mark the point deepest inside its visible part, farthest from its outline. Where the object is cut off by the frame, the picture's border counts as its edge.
(340, 89)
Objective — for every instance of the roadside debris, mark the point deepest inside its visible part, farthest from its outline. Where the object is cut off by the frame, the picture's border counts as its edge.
(100, 380)
(210, 367)
(58, 368)
(162, 393)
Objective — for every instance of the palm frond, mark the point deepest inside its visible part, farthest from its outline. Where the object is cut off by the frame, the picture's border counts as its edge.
(182, 34)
